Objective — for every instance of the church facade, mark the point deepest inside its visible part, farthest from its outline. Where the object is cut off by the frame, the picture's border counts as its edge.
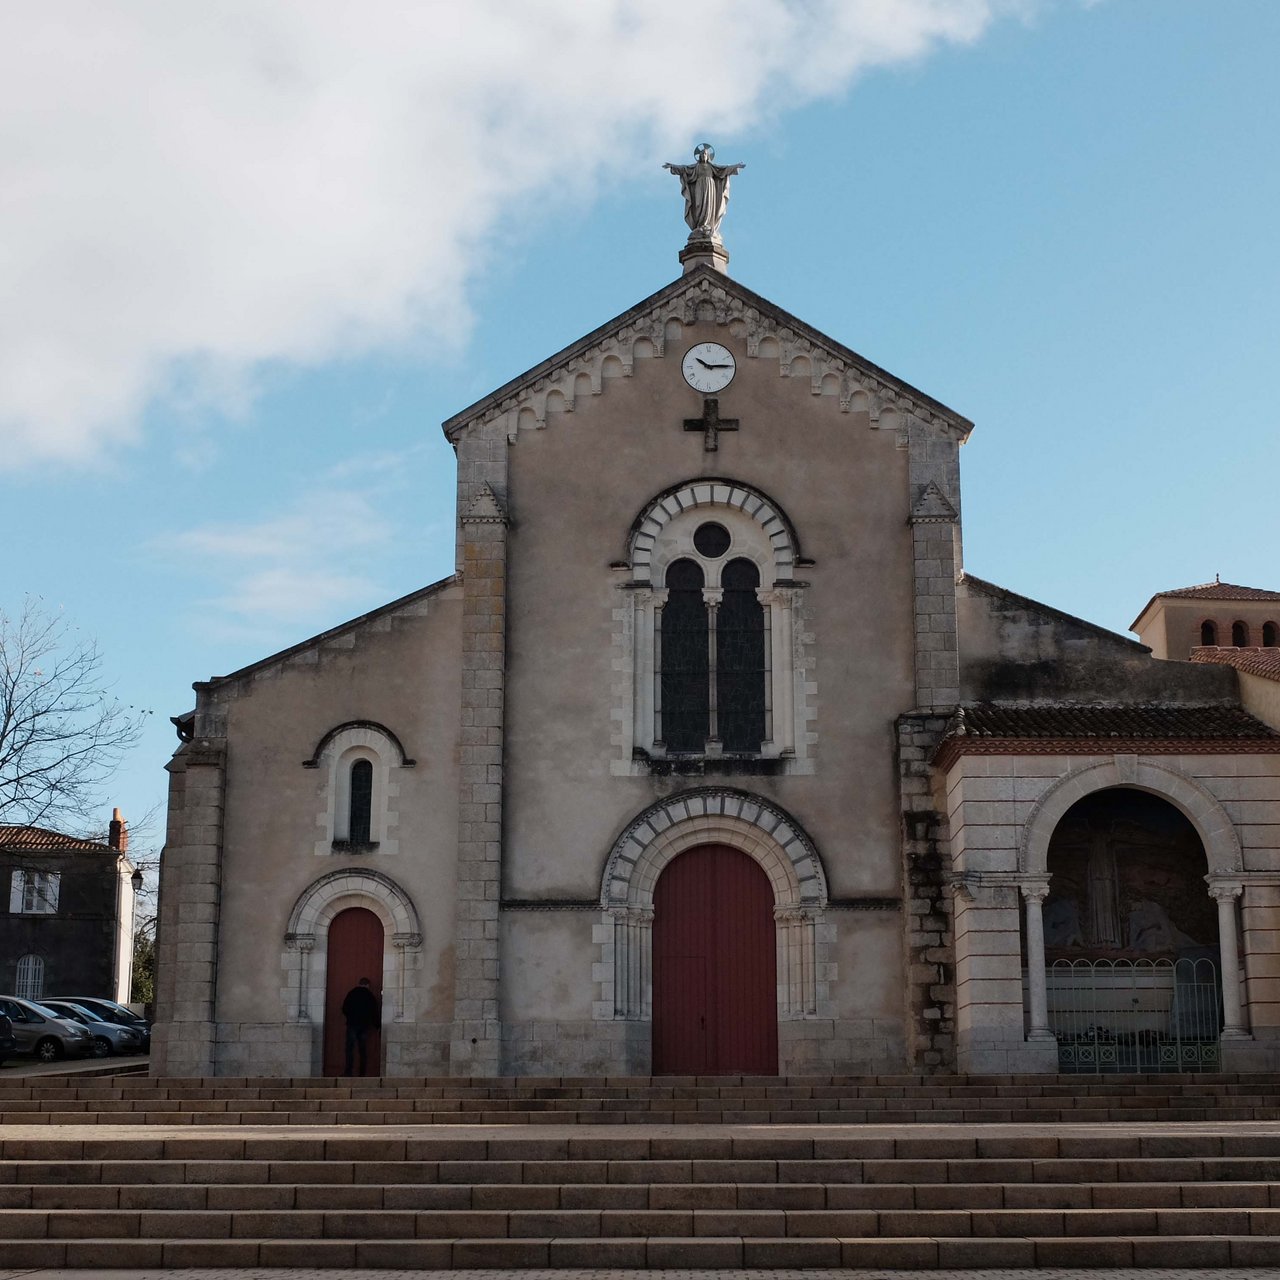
(711, 758)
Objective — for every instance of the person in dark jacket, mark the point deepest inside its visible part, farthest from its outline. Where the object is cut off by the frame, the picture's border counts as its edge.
(360, 1009)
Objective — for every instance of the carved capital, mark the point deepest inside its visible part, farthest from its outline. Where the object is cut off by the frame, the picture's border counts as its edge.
(1224, 890)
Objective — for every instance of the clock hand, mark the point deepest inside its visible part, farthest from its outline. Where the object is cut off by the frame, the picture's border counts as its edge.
(705, 365)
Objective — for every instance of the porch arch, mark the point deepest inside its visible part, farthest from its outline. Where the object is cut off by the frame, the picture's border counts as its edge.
(712, 815)
(306, 940)
(1202, 809)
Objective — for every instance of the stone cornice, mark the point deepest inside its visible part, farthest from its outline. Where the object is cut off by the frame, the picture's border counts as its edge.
(953, 748)
(585, 367)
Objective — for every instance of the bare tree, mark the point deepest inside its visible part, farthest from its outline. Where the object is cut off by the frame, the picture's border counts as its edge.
(62, 732)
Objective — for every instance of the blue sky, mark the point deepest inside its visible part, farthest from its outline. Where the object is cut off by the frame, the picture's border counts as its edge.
(230, 356)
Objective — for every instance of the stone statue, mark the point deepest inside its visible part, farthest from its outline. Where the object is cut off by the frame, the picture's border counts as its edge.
(1150, 929)
(1062, 923)
(705, 186)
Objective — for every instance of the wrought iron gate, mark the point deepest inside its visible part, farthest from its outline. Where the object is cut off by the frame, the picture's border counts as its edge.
(1135, 1015)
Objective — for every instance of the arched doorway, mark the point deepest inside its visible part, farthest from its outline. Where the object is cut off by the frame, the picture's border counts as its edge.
(354, 952)
(715, 1001)
(1130, 938)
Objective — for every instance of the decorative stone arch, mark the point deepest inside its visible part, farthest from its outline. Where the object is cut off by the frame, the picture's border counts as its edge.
(333, 757)
(760, 532)
(712, 492)
(306, 939)
(1216, 831)
(712, 815)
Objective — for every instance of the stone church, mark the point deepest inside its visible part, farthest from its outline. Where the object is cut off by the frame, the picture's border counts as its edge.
(712, 758)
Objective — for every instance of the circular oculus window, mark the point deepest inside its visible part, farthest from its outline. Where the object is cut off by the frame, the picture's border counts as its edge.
(711, 540)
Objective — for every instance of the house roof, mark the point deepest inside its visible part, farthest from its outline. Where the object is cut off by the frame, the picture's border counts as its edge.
(1010, 729)
(1252, 661)
(38, 840)
(1208, 591)
(1141, 721)
(1005, 596)
(698, 281)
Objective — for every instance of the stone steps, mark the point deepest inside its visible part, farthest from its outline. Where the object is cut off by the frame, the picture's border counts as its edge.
(720, 1197)
(642, 1101)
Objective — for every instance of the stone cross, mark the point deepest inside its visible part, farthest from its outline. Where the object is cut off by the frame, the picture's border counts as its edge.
(711, 424)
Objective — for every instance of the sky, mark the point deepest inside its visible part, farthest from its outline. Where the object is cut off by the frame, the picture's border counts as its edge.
(252, 254)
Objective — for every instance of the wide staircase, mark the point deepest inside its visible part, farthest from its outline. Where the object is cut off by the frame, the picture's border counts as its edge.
(896, 1172)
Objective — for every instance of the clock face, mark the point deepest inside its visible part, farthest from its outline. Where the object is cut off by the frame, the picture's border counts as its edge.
(708, 367)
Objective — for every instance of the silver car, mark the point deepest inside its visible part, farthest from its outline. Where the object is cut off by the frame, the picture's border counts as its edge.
(108, 1038)
(41, 1032)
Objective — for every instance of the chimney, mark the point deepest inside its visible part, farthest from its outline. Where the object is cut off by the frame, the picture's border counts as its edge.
(118, 833)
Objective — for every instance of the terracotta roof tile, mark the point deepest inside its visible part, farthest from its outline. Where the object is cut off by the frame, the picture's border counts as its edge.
(1254, 661)
(990, 720)
(38, 840)
(1220, 591)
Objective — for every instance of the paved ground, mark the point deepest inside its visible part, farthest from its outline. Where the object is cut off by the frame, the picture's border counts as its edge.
(261, 1273)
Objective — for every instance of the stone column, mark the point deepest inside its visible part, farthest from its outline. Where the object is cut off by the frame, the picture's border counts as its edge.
(185, 1040)
(476, 1037)
(1233, 1024)
(1033, 896)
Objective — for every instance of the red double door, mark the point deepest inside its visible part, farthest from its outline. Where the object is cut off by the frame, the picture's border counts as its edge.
(715, 1008)
(355, 952)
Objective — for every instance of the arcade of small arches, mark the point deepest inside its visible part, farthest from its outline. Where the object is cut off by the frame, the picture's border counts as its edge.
(1241, 634)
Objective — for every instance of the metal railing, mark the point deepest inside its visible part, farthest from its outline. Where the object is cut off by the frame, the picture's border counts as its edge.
(1135, 1015)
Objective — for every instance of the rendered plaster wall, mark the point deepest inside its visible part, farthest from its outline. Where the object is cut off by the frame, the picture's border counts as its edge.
(575, 488)
(399, 671)
(1260, 697)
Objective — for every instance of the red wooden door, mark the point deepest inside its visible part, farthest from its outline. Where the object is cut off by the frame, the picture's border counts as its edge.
(355, 952)
(715, 1003)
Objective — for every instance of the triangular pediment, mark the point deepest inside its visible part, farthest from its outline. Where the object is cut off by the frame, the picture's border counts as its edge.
(586, 367)
(932, 506)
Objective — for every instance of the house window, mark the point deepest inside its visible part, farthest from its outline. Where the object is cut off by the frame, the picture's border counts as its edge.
(1269, 635)
(1208, 632)
(361, 801)
(34, 893)
(1240, 634)
(29, 984)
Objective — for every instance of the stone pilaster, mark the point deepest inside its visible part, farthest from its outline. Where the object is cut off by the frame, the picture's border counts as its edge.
(934, 471)
(476, 1039)
(184, 1041)
(928, 955)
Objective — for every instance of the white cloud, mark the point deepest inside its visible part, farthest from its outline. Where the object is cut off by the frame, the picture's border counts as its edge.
(303, 567)
(188, 190)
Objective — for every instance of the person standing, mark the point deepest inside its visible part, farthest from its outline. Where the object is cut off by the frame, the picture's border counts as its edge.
(360, 1009)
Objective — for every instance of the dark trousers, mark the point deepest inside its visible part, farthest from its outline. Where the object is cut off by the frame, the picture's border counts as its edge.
(357, 1039)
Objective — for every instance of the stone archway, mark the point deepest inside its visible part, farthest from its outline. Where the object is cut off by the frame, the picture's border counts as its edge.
(712, 816)
(305, 957)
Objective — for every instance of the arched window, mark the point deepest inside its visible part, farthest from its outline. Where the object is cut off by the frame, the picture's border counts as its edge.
(711, 644)
(684, 708)
(29, 984)
(1240, 634)
(1208, 632)
(361, 802)
(1269, 635)
(741, 666)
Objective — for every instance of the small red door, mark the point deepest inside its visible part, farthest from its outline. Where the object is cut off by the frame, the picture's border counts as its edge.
(715, 1003)
(355, 952)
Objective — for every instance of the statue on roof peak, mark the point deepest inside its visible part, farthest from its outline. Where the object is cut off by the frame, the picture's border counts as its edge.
(705, 186)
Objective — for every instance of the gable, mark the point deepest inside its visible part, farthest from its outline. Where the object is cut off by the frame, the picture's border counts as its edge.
(586, 367)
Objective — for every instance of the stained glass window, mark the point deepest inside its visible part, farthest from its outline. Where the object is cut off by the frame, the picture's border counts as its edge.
(361, 802)
(740, 659)
(686, 679)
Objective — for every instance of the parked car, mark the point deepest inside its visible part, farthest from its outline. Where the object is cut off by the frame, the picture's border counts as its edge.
(8, 1041)
(43, 1033)
(111, 1011)
(108, 1037)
